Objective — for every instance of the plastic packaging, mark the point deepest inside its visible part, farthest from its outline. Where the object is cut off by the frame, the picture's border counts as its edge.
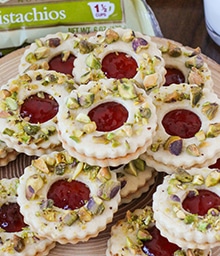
(21, 22)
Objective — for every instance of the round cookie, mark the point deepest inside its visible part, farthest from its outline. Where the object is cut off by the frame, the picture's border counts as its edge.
(107, 123)
(28, 108)
(16, 237)
(186, 207)
(187, 133)
(66, 200)
(120, 53)
(53, 52)
(136, 234)
(184, 65)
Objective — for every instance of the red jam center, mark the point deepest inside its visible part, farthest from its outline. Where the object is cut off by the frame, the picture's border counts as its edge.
(181, 122)
(39, 109)
(158, 245)
(11, 219)
(69, 195)
(109, 116)
(174, 76)
(215, 165)
(201, 203)
(66, 67)
(119, 65)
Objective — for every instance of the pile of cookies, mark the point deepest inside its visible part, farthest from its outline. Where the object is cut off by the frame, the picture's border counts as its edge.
(102, 115)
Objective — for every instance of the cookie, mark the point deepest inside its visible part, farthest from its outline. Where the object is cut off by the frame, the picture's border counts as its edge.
(16, 236)
(65, 200)
(28, 109)
(107, 123)
(186, 207)
(120, 53)
(187, 133)
(137, 234)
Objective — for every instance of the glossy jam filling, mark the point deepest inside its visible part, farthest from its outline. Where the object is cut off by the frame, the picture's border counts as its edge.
(174, 76)
(181, 122)
(69, 194)
(39, 109)
(215, 165)
(201, 203)
(58, 65)
(119, 65)
(108, 116)
(11, 219)
(158, 245)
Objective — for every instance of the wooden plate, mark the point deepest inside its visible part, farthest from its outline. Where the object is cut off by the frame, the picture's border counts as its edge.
(95, 246)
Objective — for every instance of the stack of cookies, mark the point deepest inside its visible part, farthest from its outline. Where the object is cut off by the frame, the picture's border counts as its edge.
(102, 115)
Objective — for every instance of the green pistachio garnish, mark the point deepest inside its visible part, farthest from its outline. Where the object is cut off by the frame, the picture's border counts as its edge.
(200, 135)
(65, 55)
(174, 144)
(19, 243)
(210, 109)
(86, 99)
(126, 89)
(183, 176)
(195, 95)
(174, 50)
(104, 174)
(33, 185)
(111, 36)
(213, 178)
(72, 103)
(11, 103)
(193, 150)
(128, 36)
(195, 61)
(93, 62)
(213, 130)
(85, 46)
(69, 218)
(42, 52)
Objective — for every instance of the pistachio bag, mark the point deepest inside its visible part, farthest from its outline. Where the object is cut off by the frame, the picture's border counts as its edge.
(22, 21)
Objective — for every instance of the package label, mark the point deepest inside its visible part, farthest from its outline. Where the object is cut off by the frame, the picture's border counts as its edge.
(63, 13)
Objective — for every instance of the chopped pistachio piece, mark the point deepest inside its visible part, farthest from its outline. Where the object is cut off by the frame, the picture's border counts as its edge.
(193, 150)
(213, 178)
(210, 109)
(174, 145)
